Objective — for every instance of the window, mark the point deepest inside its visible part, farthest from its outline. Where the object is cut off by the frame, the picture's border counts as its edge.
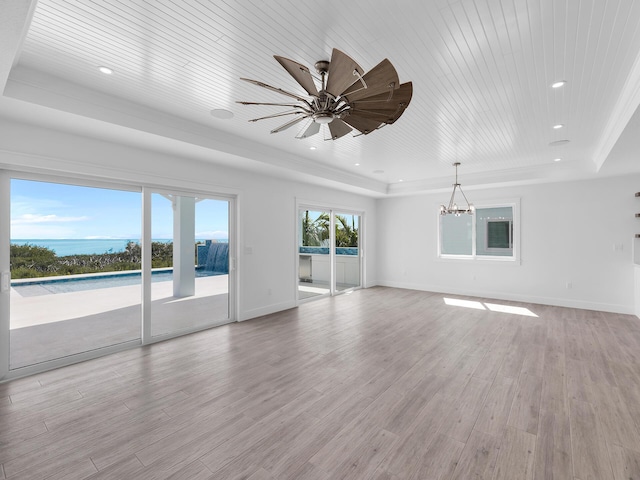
(491, 233)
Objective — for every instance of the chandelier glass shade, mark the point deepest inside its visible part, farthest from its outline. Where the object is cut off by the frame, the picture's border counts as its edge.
(453, 208)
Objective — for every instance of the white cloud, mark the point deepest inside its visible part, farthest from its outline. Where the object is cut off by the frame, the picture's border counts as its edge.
(30, 218)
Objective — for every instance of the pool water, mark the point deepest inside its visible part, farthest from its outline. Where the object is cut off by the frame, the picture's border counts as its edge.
(47, 287)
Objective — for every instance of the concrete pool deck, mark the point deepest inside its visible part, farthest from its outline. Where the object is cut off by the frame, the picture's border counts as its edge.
(28, 311)
(46, 327)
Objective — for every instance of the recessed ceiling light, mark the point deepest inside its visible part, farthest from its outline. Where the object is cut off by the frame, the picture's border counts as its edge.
(221, 113)
(105, 70)
(557, 159)
(558, 125)
(401, 180)
(312, 148)
(357, 164)
(558, 84)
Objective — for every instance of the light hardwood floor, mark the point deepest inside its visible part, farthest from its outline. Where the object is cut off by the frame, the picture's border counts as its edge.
(380, 384)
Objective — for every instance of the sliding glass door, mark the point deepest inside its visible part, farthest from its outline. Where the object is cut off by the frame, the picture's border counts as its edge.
(190, 263)
(314, 260)
(329, 253)
(347, 251)
(75, 270)
(88, 269)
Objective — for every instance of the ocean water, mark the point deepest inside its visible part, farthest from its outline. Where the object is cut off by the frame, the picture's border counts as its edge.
(83, 246)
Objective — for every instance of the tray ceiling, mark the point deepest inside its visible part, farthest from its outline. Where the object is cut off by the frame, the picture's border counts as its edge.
(481, 71)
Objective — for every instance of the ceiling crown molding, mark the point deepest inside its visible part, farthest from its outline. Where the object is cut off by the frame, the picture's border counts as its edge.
(624, 109)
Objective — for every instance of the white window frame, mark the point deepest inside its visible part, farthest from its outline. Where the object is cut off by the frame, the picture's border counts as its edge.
(514, 258)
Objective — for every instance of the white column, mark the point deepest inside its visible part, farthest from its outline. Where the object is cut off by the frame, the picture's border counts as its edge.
(184, 240)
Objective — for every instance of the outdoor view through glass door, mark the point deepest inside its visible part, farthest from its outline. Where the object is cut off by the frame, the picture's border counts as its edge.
(328, 252)
(75, 270)
(347, 253)
(76, 259)
(314, 272)
(190, 263)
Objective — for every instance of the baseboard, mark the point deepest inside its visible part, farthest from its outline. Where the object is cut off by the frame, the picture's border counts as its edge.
(557, 302)
(266, 310)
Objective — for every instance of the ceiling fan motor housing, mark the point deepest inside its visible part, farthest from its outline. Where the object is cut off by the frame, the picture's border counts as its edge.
(322, 66)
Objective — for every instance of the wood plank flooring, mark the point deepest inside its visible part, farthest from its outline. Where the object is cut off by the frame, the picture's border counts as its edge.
(379, 384)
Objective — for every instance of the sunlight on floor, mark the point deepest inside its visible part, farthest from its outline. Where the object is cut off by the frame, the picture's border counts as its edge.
(456, 302)
(510, 309)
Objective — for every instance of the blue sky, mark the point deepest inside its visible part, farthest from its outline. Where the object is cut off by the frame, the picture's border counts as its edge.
(50, 210)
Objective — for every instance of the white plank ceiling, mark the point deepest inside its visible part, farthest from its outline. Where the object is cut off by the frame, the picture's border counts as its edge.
(481, 71)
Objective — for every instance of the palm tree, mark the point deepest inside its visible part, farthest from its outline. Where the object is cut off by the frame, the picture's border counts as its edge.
(346, 235)
(315, 233)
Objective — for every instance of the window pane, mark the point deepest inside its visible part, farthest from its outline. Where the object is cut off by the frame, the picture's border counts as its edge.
(456, 235)
(190, 263)
(75, 270)
(314, 272)
(347, 258)
(494, 231)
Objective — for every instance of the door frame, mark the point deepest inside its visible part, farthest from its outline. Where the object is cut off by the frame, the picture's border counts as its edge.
(332, 209)
(146, 336)
(6, 175)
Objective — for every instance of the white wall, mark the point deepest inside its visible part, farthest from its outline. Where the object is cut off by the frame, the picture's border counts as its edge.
(568, 233)
(266, 205)
(587, 218)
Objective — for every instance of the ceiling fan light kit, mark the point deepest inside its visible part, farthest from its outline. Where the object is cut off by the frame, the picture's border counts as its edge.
(347, 99)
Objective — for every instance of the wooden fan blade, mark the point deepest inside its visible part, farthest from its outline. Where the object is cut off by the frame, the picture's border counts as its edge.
(399, 100)
(381, 101)
(382, 78)
(275, 115)
(300, 73)
(338, 129)
(387, 117)
(340, 72)
(387, 111)
(362, 124)
(312, 129)
(381, 115)
(396, 115)
(289, 124)
(276, 89)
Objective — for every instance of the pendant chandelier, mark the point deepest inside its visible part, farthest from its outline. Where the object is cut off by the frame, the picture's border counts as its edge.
(453, 208)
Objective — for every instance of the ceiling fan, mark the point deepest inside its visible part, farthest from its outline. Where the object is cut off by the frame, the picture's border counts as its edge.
(347, 98)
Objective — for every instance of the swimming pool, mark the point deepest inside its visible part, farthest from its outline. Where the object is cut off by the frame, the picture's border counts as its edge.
(78, 283)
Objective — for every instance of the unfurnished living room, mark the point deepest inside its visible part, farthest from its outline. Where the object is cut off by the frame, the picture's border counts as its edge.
(320, 240)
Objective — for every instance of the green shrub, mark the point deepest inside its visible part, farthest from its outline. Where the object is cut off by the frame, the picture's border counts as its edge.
(31, 261)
